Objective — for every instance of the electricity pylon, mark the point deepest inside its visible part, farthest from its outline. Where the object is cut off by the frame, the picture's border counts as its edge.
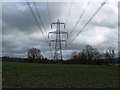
(58, 40)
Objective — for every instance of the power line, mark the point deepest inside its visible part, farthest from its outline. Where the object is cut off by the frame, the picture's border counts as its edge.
(79, 19)
(41, 23)
(50, 24)
(87, 23)
(38, 14)
(51, 50)
(38, 24)
(69, 12)
(36, 21)
(49, 13)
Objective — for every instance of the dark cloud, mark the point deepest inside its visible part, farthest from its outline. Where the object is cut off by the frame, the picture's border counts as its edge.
(22, 21)
(20, 31)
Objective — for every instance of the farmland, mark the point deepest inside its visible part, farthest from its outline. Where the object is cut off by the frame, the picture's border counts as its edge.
(35, 75)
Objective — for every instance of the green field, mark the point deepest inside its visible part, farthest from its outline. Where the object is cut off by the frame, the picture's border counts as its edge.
(33, 75)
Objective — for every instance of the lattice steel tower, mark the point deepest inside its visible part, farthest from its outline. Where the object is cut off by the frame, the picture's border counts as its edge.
(58, 40)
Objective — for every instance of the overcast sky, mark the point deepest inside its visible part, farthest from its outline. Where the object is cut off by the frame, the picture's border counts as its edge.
(20, 31)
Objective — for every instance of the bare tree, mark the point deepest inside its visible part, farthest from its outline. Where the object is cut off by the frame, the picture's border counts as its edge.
(33, 54)
(74, 55)
(87, 55)
(96, 54)
(110, 55)
(91, 54)
(82, 57)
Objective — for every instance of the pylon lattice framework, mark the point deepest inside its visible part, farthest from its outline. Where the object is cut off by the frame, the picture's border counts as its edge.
(58, 40)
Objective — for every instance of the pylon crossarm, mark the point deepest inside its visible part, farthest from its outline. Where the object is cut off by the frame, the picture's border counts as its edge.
(64, 41)
(60, 41)
(52, 41)
(64, 33)
(57, 33)
(53, 23)
(51, 33)
(63, 24)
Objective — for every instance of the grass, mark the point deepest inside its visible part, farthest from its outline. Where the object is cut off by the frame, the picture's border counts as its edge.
(33, 75)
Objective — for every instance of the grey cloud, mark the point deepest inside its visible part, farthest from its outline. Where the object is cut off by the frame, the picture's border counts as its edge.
(22, 21)
(106, 23)
(20, 31)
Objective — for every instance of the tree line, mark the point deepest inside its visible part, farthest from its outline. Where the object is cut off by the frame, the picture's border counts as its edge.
(88, 55)
(91, 55)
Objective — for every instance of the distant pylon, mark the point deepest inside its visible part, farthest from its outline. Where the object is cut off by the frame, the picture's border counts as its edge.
(58, 40)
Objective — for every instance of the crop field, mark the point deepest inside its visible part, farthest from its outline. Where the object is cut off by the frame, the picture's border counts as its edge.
(35, 75)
